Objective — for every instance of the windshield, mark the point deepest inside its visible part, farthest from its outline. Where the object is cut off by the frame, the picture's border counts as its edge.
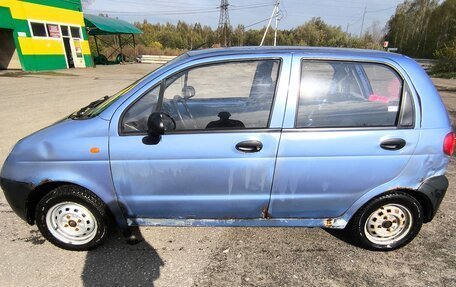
(98, 106)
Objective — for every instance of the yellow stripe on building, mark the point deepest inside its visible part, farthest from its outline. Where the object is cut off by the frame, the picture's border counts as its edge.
(30, 11)
(37, 46)
(45, 46)
(85, 47)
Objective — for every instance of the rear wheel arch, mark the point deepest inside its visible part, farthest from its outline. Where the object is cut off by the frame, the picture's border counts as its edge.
(424, 201)
(394, 199)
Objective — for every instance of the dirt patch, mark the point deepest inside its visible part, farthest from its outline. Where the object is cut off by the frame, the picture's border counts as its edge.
(35, 238)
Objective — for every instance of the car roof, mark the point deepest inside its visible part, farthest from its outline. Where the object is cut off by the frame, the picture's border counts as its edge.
(327, 51)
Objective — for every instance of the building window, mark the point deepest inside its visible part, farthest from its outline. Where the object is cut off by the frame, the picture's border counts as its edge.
(75, 32)
(65, 31)
(38, 29)
(53, 30)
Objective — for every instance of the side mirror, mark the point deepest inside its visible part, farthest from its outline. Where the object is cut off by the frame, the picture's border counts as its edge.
(157, 125)
(188, 92)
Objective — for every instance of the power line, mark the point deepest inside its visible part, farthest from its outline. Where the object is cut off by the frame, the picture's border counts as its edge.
(256, 23)
(174, 12)
(381, 10)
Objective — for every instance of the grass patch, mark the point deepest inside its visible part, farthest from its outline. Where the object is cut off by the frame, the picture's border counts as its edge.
(443, 75)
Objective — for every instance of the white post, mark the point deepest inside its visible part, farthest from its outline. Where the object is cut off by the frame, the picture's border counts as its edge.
(267, 27)
(276, 24)
(362, 23)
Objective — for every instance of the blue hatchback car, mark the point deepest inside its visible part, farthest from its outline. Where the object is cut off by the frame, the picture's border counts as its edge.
(257, 136)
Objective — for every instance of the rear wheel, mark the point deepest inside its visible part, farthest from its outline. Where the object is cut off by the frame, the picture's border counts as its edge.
(387, 222)
(72, 218)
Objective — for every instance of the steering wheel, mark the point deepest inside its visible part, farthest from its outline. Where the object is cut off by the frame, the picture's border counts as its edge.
(188, 124)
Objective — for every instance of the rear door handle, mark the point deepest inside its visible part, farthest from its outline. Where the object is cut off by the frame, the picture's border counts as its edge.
(249, 146)
(392, 144)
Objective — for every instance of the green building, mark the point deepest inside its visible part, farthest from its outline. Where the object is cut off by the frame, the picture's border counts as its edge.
(43, 35)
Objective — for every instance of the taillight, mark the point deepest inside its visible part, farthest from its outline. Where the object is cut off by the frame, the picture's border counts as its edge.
(448, 144)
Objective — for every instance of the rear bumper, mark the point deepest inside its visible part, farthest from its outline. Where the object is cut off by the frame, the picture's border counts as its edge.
(434, 189)
(16, 194)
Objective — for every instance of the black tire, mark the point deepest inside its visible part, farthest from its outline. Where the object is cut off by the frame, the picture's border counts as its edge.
(75, 204)
(398, 208)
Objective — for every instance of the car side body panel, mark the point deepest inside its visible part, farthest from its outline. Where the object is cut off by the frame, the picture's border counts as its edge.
(198, 174)
(61, 153)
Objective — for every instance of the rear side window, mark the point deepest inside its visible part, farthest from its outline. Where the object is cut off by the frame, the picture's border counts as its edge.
(348, 94)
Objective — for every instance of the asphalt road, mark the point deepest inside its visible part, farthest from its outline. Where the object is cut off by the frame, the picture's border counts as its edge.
(198, 256)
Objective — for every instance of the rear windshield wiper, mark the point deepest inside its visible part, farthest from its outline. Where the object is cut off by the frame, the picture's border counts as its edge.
(90, 106)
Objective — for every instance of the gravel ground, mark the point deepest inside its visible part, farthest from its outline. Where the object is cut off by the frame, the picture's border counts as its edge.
(198, 256)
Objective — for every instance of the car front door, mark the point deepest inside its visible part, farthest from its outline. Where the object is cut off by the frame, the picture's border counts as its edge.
(219, 160)
(349, 129)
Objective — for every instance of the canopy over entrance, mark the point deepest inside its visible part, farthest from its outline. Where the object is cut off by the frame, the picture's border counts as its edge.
(98, 26)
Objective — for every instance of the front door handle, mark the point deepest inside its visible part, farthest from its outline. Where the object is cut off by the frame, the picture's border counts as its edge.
(249, 146)
(392, 144)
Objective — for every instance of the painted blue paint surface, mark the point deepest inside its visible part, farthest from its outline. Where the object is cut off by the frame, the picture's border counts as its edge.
(301, 177)
(194, 176)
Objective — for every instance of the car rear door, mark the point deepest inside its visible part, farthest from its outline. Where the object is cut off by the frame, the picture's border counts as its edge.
(219, 161)
(349, 128)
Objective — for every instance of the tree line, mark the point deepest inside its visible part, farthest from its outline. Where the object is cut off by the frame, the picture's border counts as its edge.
(419, 28)
(173, 39)
(425, 29)
(185, 36)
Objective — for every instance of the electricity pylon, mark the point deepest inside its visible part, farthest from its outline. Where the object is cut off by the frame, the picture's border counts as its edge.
(224, 22)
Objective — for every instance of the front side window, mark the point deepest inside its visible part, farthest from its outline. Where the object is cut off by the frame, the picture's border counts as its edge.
(234, 95)
(348, 94)
(223, 96)
(135, 118)
(38, 29)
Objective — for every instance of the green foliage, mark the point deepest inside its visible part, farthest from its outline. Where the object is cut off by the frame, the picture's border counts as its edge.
(446, 62)
(421, 27)
(172, 39)
(313, 33)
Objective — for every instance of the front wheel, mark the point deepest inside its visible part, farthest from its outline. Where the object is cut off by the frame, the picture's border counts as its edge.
(387, 222)
(72, 218)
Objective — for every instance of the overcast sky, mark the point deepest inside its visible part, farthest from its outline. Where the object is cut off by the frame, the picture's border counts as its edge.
(248, 12)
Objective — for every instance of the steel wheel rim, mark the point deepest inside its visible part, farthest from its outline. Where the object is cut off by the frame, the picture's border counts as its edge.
(71, 223)
(388, 224)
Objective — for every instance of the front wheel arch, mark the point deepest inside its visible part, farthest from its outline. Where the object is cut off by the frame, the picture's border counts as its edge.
(41, 190)
(73, 218)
